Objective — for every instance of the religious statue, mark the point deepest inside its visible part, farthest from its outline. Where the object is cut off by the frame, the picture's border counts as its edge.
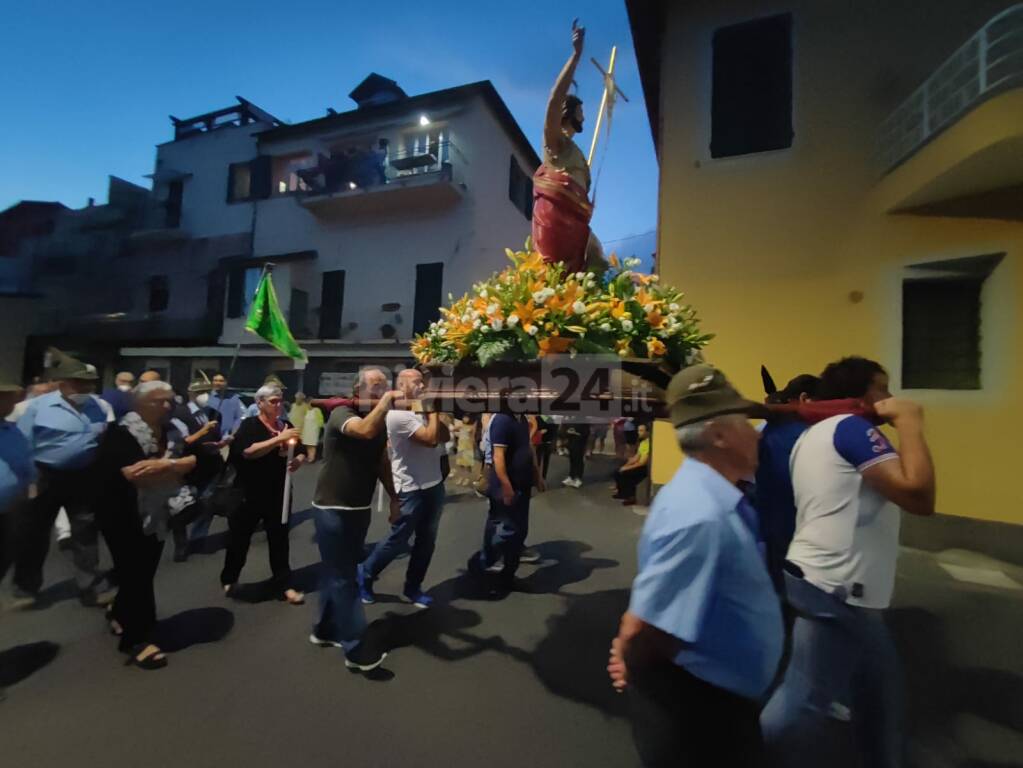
(561, 185)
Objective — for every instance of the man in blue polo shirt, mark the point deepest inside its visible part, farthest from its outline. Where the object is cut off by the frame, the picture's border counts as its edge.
(17, 472)
(63, 429)
(702, 638)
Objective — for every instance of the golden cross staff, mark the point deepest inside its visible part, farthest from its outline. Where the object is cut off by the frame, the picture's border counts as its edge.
(607, 101)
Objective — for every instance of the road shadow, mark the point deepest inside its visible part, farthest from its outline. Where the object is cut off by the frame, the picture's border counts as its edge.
(208, 545)
(56, 593)
(939, 693)
(23, 661)
(562, 562)
(571, 659)
(196, 626)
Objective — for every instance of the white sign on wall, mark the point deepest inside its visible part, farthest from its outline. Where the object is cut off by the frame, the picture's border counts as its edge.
(333, 383)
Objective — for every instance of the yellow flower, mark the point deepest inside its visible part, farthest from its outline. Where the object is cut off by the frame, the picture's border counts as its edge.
(618, 309)
(655, 318)
(656, 348)
(613, 260)
(622, 347)
(528, 314)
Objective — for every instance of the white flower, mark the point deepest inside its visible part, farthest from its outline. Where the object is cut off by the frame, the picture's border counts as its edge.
(483, 293)
(605, 326)
(674, 307)
(513, 320)
(493, 309)
(542, 295)
(497, 323)
(466, 317)
(654, 278)
(477, 323)
(649, 307)
(532, 330)
(626, 325)
(580, 275)
(578, 307)
(485, 329)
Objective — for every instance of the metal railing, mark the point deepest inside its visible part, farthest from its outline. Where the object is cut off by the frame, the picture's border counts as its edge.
(366, 170)
(989, 62)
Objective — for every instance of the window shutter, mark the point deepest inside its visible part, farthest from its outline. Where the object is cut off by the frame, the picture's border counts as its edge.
(429, 289)
(941, 333)
(751, 97)
(332, 300)
(235, 292)
(262, 176)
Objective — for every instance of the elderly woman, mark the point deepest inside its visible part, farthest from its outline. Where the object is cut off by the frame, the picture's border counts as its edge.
(141, 468)
(260, 455)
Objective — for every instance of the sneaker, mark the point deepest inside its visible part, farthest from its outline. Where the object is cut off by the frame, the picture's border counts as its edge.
(568, 481)
(323, 642)
(22, 600)
(418, 598)
(366, 593)
(364, 662)
(530, 555)
(577, 483)
(495, 568)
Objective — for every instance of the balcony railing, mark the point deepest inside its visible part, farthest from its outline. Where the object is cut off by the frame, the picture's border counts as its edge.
(989, 62)
(366, 169)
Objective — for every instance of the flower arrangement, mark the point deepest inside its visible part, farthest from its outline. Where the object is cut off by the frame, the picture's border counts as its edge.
(532, 309)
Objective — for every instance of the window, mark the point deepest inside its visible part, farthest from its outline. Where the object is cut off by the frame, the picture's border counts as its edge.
(175, 195)
(241, 289)
(751, 101)
(941, 324)
(520, 189)
(159, 293)
(332, 298)
(239, 182)
(298, 313)
(285, 173)
(429, 285)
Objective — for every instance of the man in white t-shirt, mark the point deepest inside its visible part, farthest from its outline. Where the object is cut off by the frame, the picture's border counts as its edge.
(849, 484)
(415, 466)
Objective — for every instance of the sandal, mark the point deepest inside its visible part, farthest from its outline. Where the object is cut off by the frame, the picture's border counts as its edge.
(115, 626)
(154, 660)
(293, 597)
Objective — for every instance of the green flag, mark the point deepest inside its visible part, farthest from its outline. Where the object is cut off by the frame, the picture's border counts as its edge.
(267, 320)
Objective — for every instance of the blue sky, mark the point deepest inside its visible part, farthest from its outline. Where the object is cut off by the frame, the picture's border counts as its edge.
(89, 86)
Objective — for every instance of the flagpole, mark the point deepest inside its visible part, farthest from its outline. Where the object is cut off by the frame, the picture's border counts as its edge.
(286, 506)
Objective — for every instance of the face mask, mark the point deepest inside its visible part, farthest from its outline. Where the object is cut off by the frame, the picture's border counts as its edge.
(202, 400)
(124, 387)
(79, 398)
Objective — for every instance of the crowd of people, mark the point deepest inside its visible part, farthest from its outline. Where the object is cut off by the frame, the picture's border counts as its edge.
(765, 563)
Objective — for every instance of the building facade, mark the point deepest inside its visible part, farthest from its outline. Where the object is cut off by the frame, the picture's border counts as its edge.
(368, 219)
(846, 178)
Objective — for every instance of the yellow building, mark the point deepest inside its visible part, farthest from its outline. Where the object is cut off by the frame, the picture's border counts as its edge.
(847, 178)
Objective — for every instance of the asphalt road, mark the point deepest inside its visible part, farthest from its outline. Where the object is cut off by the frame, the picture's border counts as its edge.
(471, 682)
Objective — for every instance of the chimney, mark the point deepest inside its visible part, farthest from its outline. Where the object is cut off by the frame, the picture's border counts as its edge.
(92, 202)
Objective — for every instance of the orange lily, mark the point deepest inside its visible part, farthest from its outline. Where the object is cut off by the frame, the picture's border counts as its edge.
(656, 348)
(655, 318)
(528, 313)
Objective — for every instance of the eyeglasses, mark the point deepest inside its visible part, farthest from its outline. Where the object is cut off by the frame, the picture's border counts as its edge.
(275, 401)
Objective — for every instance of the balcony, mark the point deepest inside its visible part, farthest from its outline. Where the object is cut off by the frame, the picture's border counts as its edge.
(960, 134)
(426, 179)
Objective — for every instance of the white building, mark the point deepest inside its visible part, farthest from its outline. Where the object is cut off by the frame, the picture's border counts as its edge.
(370, 217)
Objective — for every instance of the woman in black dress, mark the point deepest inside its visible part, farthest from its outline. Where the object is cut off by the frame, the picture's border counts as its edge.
(259, 453)
(141, 466)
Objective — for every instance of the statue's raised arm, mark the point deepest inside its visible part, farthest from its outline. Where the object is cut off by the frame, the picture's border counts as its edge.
(556, 106)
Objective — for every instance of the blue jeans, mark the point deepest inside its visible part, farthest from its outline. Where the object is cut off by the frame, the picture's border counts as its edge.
(505, 534)
(420, 516)
(341, 537)
(843, 684)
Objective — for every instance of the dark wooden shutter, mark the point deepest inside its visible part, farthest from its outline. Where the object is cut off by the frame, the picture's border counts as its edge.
(175, 196)
(298, 312)
(236, 292)
(941, 333)
(332, 300)
(215, 289)
(751, 100)
(262, 176)
(429, 289)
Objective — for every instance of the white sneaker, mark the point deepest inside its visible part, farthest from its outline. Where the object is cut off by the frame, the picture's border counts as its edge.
(568, 481)
(577, 483)
(320, 642)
